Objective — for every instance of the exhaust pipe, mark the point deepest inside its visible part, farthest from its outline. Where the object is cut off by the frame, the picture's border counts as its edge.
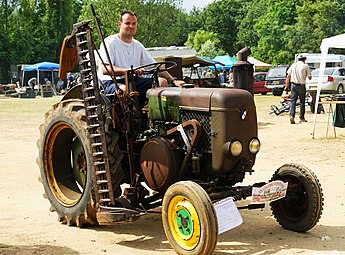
(243, 71)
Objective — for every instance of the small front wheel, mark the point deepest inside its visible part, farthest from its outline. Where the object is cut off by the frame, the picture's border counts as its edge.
(301, 209)
(189, 219)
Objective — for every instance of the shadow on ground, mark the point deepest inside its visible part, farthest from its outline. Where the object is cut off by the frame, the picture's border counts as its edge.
(35, 249)
(259, 234)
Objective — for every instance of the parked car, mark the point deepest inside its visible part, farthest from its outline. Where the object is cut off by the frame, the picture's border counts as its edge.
(275, 79)
(333, 81)
(259, 83)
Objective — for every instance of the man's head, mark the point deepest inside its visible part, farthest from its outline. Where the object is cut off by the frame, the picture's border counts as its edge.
(127, 24)
(302, 57)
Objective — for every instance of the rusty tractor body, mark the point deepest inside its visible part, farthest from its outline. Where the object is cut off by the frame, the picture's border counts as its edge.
(186, 149)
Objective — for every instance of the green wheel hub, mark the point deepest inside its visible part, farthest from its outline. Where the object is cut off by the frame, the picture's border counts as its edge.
(184, 223)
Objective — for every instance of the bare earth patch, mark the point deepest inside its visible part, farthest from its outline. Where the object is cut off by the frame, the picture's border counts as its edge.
(28, 227)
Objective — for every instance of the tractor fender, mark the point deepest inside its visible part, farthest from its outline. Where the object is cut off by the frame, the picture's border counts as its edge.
(77, 93)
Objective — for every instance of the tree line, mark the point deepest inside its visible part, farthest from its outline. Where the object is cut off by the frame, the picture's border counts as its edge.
(32, 31)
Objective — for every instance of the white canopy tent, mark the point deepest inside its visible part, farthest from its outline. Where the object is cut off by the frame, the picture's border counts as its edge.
(258, 64)
(337, 41)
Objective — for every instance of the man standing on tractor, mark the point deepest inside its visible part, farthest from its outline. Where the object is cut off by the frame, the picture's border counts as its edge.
(124, 52)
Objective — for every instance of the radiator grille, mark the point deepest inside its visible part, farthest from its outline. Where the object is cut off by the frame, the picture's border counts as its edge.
(204, 118)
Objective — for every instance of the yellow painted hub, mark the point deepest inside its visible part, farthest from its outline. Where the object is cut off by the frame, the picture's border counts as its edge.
(184, 222)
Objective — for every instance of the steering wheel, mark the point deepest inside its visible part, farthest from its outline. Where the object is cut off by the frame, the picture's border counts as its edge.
(155, 68)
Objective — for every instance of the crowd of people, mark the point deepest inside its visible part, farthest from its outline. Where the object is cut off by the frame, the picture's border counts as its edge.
(62, 86)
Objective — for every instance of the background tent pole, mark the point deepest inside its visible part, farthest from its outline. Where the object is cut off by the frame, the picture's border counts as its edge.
(324, 50)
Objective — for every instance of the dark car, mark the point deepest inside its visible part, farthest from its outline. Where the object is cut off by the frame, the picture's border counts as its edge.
(275, 79)
(259, 83)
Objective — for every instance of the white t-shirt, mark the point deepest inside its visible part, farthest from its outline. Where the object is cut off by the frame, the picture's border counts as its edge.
(124, 54)
(299, 72)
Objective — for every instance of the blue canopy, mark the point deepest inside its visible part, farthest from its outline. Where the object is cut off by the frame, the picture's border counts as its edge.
(48, 66)
(226, 60)
(42, 70)
(212, 61)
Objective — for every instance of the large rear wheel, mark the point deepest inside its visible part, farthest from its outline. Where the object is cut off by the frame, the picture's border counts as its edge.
(65, 163)
(301, 209)
(189, 219)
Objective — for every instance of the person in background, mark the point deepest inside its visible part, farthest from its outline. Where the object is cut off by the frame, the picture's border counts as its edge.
(59, 85)
(209, 73)
(297, 75)
(69, 81)
(221, 76)
(203, 75)
(124, 52)
(47, 81)
(32, 82)
(231, 78)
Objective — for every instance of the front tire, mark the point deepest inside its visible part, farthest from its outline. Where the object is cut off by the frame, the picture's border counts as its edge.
(301, 209)
(189, 219)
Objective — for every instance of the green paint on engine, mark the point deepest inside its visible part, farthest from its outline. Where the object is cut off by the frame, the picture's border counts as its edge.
(164, 107)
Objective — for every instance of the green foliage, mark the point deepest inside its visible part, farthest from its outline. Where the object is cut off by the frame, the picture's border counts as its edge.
(198, 38)
(247, 35)
(5, 11)
(210, 50)
(33, 30)
(223, 18)
(270, 27)
(158, 20)
(315, 21)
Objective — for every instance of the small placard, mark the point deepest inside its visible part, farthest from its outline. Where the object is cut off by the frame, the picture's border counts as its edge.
(227, 214)
(271, 191)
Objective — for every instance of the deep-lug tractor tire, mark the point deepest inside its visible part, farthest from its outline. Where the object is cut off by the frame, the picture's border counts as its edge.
(65, 163)
(189, 219)
(302, 207)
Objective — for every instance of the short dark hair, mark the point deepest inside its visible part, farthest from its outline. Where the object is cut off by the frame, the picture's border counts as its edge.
(131, 13)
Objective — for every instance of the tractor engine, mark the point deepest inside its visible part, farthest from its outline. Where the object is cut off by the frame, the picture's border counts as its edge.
(226, 143)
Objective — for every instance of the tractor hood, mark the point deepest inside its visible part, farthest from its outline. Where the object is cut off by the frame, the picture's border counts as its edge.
(165, 103)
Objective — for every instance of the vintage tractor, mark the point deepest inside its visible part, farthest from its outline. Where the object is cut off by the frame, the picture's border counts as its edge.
(105, 160)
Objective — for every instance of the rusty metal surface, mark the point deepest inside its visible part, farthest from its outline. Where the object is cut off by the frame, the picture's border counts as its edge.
(108, 216)
(233, 117)
(160, 162)
(196, 98)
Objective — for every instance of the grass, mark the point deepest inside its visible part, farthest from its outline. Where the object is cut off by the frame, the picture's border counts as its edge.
(25, 107)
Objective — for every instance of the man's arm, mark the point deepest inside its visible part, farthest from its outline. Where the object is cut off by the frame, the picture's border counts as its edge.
(287, 83)
(170, 79)
(107, 70)
(309, 73)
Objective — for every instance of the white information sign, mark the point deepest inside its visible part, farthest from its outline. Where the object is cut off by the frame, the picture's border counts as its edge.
(227, 214)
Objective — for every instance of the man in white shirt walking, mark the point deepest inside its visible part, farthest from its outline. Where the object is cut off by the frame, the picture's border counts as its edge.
(297, 75)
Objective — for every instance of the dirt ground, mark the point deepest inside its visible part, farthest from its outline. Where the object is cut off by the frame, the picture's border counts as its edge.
(28, 227)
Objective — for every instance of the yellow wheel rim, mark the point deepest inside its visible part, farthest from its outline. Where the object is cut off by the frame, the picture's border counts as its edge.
(184, 222)
(66, 180)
